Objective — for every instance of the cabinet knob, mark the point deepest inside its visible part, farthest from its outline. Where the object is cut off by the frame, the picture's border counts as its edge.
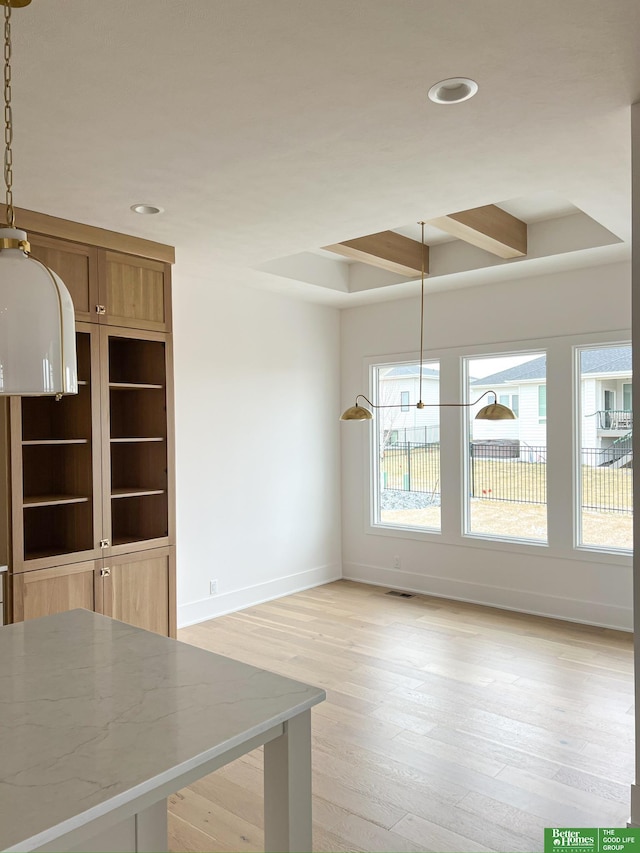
(105, 573)
(104, 543)
(100, 309)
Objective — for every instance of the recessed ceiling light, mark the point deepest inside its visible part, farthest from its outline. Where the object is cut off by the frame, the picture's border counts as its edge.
(453, 90)
(146, 209)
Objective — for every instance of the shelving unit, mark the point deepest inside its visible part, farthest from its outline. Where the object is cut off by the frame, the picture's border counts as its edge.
(138, 464)
(87, 513)
(55, 465)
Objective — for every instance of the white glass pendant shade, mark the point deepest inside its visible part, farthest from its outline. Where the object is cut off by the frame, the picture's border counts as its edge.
(37, 326)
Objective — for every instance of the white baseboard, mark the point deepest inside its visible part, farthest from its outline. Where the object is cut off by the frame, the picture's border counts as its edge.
(208, 608)
(521, 601)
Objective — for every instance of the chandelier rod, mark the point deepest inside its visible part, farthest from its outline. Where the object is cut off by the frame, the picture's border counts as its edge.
(8, 121)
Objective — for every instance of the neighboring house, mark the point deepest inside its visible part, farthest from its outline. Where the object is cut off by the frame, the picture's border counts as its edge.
(605, 393)
(400, 386)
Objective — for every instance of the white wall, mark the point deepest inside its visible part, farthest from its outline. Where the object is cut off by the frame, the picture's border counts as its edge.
(553, 580)
(257, 434)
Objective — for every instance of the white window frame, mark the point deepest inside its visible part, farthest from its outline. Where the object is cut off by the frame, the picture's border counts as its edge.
(373, 459)
(577, 482)
(466, 518)
(561, 475)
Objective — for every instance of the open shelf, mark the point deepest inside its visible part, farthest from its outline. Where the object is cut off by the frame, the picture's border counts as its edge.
(47, 420)
(138, 414)
(53, 500)
(136, 363)
(57, 528)
(57, 470)
(52, 442)
(135, 440)
(134, 492)
(139, 517)
(138, 440)
(133, 386)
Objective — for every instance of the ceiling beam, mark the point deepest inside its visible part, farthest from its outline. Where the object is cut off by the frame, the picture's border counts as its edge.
(489, 227)
(387, 250)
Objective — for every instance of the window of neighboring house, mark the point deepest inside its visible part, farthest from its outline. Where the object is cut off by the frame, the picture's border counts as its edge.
(406, 453)
(542, 403)
(511, 401)
(506, 470)
(604, 449)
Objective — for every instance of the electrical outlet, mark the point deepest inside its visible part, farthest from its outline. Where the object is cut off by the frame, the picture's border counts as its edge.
(397, 562)
(213, 587)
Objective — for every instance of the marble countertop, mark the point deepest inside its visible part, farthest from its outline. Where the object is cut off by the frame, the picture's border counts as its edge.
(91, 709)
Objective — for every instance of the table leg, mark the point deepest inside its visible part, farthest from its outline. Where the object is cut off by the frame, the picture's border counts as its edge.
(151, 829)
(287, 788)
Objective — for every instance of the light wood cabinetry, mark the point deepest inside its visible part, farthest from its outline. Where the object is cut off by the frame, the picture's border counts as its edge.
(89, 478)
(141, 589)
(55, 469)
(77, 266)
(134, 292)
(47, 591)
(136, 398)
(107, 287)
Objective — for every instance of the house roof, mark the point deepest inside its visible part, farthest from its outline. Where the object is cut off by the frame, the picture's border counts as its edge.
(408, 370)
(613, 360)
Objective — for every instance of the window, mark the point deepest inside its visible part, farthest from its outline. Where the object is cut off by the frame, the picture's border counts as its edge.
(542, 403)
(506, 467)
(605, 449)
(406, 459)
(511, 401)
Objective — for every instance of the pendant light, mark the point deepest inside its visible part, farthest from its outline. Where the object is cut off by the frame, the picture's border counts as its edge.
(492, 412)
(37, 322)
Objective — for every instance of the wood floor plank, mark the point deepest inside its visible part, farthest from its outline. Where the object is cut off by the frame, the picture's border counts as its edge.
(183, 836)
(373, 837)
(430, 836)
(375, 810)
(527, 828)
(602, 811)
(593, 784)
(447, 726)
(225, 828)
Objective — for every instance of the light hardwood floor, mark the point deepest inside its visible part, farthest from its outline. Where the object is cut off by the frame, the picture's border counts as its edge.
(447, 727)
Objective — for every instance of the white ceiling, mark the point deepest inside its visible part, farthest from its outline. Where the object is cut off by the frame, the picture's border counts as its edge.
(270, 128)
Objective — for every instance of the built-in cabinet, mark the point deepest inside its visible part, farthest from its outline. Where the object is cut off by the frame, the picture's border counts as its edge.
(136, 588)
(89, 479)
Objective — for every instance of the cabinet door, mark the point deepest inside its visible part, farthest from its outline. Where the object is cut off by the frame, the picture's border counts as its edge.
(141, 589)
(48, 591)
(138, 445)
(77, 266)
(134, 292)
(56, 469)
